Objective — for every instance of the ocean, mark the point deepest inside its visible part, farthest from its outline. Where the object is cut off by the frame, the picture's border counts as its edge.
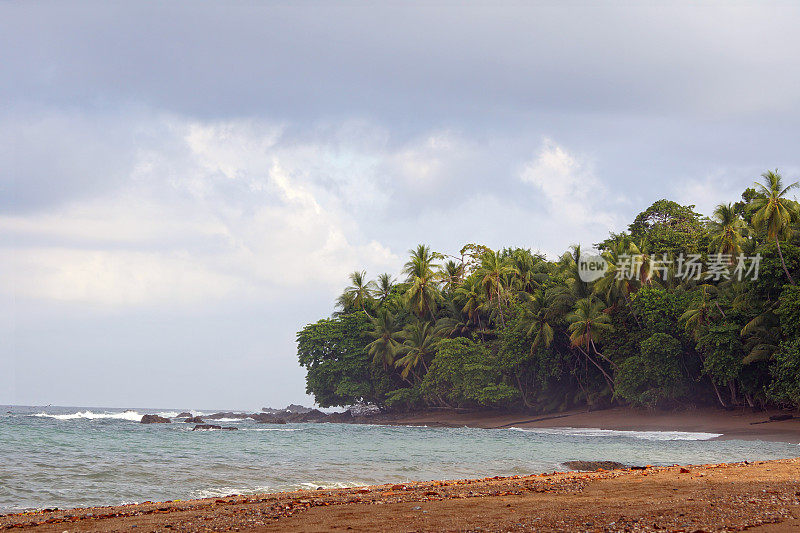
(76, 457)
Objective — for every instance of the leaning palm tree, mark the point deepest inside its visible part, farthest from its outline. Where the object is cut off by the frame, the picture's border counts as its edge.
(586, 324)
(387, 335)
(419, 345)
(774, 212)
(359, 294)
(423, 292)
(727, 231)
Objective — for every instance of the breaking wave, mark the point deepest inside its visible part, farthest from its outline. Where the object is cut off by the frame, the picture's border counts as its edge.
(127, 415)
(643, 435)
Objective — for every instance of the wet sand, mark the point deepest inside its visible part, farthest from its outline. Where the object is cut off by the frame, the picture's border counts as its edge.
(739, 424)
(764, 496)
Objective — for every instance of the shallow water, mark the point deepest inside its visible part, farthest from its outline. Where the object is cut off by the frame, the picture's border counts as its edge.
(76, 457)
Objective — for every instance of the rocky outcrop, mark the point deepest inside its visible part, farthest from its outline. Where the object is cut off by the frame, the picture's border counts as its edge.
(294, 408)
(589, 466)
(206, 427)
(194, 420)
(340, 418)
(314, 415)
(267, 418)
(217, 416)
(154, 419)
(184, 414)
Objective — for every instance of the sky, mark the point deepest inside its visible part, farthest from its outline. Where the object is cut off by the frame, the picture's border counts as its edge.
(184, 185)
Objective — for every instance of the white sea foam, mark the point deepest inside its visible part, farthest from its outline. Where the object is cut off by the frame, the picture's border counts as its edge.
(219, 492)
(127, 415)
(270, 429)
(643, 435)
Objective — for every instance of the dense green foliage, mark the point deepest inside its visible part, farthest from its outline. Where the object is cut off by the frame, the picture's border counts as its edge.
(510, 328)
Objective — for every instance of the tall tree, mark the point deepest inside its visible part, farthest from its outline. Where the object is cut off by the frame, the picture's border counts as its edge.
(774, 212)
(387, 338)
(494, 275)
(727, 231)
(423, 291)
(586, 324)
(419, 345)
(359, 294)
(384, 287)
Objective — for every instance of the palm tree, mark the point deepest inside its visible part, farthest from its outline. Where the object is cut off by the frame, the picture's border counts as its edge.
(614, 285)
(774, 212)
(387, 338)
(470, 297)
(493, 274)
(419, 344)
(419, 270)
(385, 286)
(587, 323)
(700, 312)
(359, 294)
(540, 314)
(451, 274)
(530, 270)
(568, 264)
(763, 335)
(727, 230)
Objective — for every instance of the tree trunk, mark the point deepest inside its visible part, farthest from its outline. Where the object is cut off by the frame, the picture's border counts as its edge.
(716, 390)
(612, 363)
(599, 367)
(783, 263)
(734, 396)
(522, 391)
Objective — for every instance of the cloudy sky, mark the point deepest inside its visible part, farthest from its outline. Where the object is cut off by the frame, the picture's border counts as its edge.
(184, 185)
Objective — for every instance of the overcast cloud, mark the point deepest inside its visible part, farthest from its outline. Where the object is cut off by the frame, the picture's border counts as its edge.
(183, 186)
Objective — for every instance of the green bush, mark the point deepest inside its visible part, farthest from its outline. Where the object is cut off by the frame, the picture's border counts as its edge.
(653, 378)
(785, 370)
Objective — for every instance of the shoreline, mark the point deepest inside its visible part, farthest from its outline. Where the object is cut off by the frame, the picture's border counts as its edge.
(730, 425)
(763, 495)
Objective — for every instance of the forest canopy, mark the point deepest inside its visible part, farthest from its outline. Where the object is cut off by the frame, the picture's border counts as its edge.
(689, 310)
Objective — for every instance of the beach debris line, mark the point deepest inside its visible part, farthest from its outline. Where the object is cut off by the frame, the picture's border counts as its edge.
(589, 466)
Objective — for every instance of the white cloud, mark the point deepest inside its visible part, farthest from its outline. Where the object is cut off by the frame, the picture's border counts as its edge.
(223, 211)
(576, 201)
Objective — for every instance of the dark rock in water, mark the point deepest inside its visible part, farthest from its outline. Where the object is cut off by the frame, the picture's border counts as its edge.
(314, 415)
(184, 415)
(217, 416)
(194, 420)
(588, 466)
(267, 418)
(778, 418)
(340, 418)
(154, 419)
(202, 427)
(294, 408)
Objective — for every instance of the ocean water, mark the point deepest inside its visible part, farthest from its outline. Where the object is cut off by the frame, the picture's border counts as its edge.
(76, 457)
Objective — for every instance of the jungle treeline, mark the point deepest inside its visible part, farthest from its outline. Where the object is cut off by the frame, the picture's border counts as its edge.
(511, 329)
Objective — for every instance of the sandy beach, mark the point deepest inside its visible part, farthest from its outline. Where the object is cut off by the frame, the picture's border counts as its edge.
(760, 496)
(738, 424)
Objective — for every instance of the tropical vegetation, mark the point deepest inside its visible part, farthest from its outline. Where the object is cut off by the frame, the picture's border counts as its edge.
(511, 328)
